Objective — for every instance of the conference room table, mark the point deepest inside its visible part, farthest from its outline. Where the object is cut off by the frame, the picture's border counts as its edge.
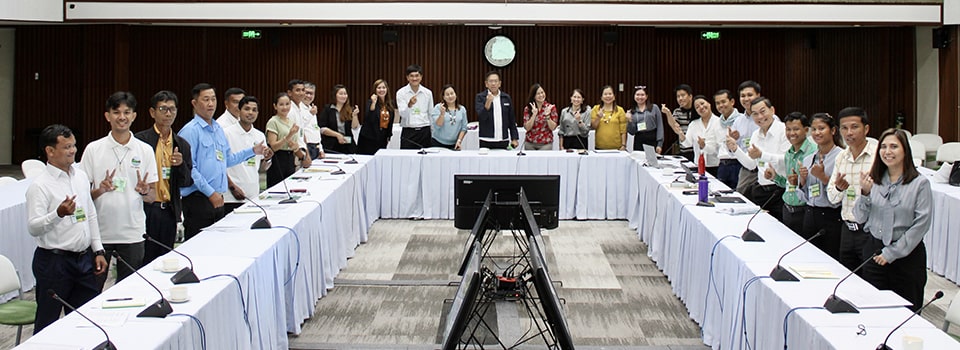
(942, 241)
(724, 283)
(471, 140)
(17, 244)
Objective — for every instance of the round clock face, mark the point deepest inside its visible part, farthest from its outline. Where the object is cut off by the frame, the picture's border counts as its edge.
(499, 51)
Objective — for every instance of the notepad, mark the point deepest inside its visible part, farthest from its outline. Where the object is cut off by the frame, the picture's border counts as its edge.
(813, 271)
(115, 303)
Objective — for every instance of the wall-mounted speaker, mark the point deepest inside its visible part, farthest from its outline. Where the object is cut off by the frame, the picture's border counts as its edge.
(389, 37)
(941, 38)
(609, 38)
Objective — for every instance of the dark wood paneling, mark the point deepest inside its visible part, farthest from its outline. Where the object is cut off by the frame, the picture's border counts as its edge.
(949, 89)
(807, 70)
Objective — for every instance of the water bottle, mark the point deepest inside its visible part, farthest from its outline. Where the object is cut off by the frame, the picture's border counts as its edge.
(703, 188)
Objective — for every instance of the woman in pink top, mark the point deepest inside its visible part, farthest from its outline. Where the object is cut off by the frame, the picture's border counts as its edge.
(539, 120)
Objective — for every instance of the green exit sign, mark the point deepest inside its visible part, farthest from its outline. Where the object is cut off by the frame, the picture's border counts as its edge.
(250, 34)
(707, 35)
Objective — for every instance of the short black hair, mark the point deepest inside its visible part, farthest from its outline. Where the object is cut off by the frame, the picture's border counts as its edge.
(797, 116)
(233, 91)
(854, 112)
(749, 84)
(293, 82)
(684, 87)
(724, 92)
(48, 137)
(414, 68)
(163, 95)
(766, 101)
(487, 76)
(120, 98)
(197, 89)
(247, 99)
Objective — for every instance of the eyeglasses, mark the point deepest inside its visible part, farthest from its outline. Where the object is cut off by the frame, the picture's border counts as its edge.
(164, 109)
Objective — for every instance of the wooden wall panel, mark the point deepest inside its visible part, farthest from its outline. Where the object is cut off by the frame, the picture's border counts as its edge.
(808, 70)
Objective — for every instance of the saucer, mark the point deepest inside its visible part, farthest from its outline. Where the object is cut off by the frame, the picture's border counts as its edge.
(170, 270)
(179, 301)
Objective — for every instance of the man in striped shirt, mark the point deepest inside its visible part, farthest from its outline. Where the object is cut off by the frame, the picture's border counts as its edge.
(844, 184)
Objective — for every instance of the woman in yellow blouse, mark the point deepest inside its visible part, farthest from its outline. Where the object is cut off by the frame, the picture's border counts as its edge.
(610, 122)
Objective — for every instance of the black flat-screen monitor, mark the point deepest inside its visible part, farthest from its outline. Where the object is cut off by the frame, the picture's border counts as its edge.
(543, 192)
(463, 303)
(532, 230)
(548, 298)
(476, 234)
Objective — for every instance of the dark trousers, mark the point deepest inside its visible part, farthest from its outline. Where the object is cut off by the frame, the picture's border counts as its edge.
(284, 165)
(712, 170)
(828, 220)
(229, 207)
(161, 226)
(852, 244)
(729, 172)
(314, 150)
(494, 145)
(132, 253)
(71, 277)
(435, 143)
(792, 217)
(576, 142)
(746, 181)
(644, 138)
(905, 276)
(415, 138)
(772, 193)
(198, 213)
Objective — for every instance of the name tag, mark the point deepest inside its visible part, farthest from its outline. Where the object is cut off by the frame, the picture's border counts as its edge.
(746, 142)
(791, 188)
(851, 194)
(642, 126)
(815, 190)
(219, 155)
(252, 161)
(165, 172)
(79, 215)
(760, 163)
(119, 184)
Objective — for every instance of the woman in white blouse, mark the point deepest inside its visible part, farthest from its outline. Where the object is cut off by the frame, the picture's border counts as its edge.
(702, 134)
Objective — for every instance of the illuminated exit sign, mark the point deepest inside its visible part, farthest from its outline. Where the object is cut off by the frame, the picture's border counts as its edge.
(250, 34)
(707, 35)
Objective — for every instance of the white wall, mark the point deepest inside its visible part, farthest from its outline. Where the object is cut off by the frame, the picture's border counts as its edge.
(31, 10)
(6, 94)
(951, 12)
(928, 82)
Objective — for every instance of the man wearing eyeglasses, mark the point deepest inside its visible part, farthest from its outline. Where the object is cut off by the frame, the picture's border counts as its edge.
(172, 154)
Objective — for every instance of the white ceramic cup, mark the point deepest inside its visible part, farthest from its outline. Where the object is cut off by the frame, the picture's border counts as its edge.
(667, 172)
(179, 293)
(170, 264)
(912, 343)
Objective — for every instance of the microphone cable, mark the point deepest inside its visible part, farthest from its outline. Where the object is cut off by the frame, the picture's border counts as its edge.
(243, 301)
(711, 281)
(296, 267)
(788, 316)
(203, 333)
(741, 305)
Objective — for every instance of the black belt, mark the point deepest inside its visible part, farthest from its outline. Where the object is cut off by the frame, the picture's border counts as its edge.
(853, 226)
(794, 208)
(65, 253)
(161, 205)
(769, 188)
(729, 161)
(418, 128)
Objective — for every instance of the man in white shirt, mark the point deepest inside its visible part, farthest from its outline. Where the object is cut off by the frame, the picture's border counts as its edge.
(309, 124)
(844, 186)
(306, 119)
(246, 175)
(498, 123)
(123, 175)
(767, 146)
(748, 90)
(414, 102)
(731, 121)
(63, 219)
(231, 113)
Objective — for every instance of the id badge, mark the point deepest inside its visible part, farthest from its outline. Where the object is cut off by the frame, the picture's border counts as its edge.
(642, 126)
(79, 215)
(165, 172)
(746, 142)
(119, 184)
(851, 194)
(791, 188)
(219, 155)
(760, 163)
(815, 190)
(252, 161)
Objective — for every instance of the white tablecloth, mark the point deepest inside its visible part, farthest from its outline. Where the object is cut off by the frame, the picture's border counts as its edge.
(680, 238)
(471, 141)
(942, 241)
(15, 242)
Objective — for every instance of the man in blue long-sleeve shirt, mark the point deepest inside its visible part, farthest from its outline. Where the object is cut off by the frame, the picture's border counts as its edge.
(211, 155)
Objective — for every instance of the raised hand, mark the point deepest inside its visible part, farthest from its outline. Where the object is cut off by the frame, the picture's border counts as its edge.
(792, 178)
(817, 169)
(576, 115)
(754, 152)
(67, 206)
(803, 173)
(665, 110)
(373, 98)
(176, 158)
(733, 133)
(731, 144)
(413, 101)
(356, 111)
(769, 174)
(107, 184)
(262, 149)
(313, 109)
(866, 183)
(489, 98)
(701, 142)
(533, 110)
(142, 187)
(842, 183)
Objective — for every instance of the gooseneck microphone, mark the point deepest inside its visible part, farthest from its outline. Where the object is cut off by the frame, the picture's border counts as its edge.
(186, 274)
(352, 160)
(835, 304)
(161, 308)
(883, 346)
(290, 199)
(423, 150)
(107, 344)
(751, 235)
(261, 222)
(779, 273)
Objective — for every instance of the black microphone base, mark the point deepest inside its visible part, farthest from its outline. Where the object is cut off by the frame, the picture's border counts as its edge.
(839, 306)
(352, 161)
(106, 345)
(340, 172)
(751, 236)
(781, 274)
(160, 309)
(185, 275)
(883, 347)
(261, 223)
(521, 153)
(422, 151)
(705, 204)
(288, 201)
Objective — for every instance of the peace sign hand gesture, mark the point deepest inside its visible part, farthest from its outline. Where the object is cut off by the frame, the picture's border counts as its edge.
(107, 184)
(143, 188)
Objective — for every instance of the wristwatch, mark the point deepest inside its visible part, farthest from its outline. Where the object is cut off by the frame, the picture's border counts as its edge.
(100, 253)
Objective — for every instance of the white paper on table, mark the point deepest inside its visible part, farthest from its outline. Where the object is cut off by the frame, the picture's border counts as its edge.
(813, 271)
(868, 297)
(105, 318)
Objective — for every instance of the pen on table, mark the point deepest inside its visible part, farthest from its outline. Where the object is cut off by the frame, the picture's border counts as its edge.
(120, 299)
